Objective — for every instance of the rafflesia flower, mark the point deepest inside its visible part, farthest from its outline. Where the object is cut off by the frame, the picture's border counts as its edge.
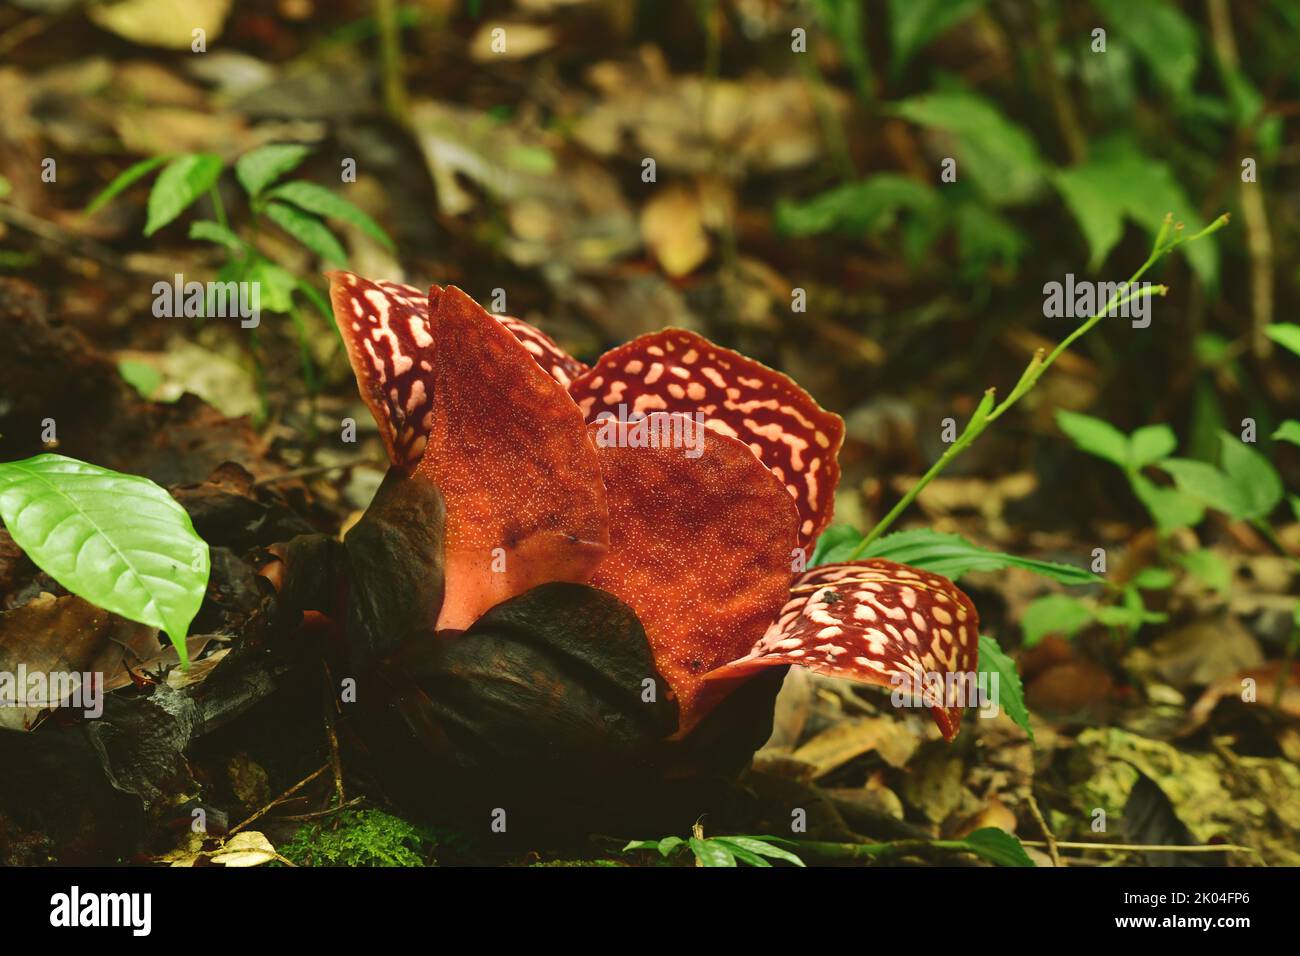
(680, 477)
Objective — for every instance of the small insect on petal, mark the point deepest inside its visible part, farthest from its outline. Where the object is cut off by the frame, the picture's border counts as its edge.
(679, 371)
(510, 453)
(877, 622)
(699, 548)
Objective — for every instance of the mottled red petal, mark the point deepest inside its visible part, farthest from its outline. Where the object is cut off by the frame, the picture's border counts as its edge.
(871, 620)
(385, 326)
(559, 364)
(700, 548)
(679, 371)
(511, 455)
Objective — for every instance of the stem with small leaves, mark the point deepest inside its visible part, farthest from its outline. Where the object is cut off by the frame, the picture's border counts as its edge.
(988, 411)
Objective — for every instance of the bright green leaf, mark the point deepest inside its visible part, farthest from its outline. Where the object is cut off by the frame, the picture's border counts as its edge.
(119, 541)
(1149, 444)
(914, 23)
(711, 853)
(1095, 436)
(1120, 181)
(835, 544)
(1154, 579)
(997, 846)
(861, 208)
(1285, 334)
(1164, 38)
(742, 855)
(131, 174)
(141, 376)
(1289, 430)
(1169, 508)
(308, 230)
(260, 167)
(275, 285)
(1207, 567)
(1054, 614)
(181, 182)
(322, 202)
(206, 230)
(1255, 483)
(952, 556)
(1011, 693)
(999, 156)
(668, 844)
(761, 847)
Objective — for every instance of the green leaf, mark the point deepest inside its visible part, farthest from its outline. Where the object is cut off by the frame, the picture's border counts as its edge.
(985, 238)
(1199, 479)
(997, 846)
(1120, 181)
(141, 376)
(1248, 487)
(1285, 334)
(308, 230)
(1054, 614)
(119, 541)
(843, 20)
(835, 544)
(711, 853)
(1162, 36)
(861, 208)
(999, 156)
(952, 556)
(1257, 487)
(1095, 436)
(761, 847)
(1011, 693)
(1149, 444)
(131, 174)
(182, 181)
(1169, 508)
(1207, 567)
(205, 230)
(1131, 615)
(742, 855)
(1289, 430)
(260, 167)
(322, 202)
(1154, 579)
(667, 845)
(914, 23)
(275, 285)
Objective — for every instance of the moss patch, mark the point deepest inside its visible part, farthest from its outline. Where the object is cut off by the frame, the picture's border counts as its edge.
(362, 838)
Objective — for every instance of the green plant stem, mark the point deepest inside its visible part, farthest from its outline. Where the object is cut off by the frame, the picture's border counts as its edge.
(390, 60)
(987, 413)
(218, 207)
(837, 143)
(860, 852)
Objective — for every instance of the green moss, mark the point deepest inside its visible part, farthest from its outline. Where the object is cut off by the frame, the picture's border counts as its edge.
(579, 863)
(362, 838)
